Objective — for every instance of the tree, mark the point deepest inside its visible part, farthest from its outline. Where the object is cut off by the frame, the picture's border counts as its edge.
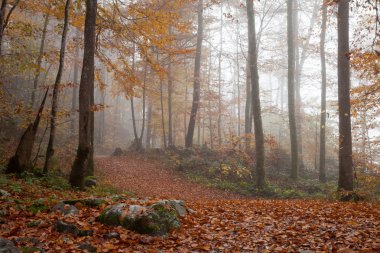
(197, 81)
(4, 18)
(39, 60)
(345, 181)
(85, 146)
(21, 161)
(54, 106)
(291, 92)
(255, 89)
(322, 136)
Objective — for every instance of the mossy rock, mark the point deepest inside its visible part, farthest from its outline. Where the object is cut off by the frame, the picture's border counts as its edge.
(87, 202)
(156, 219)
(111, 215)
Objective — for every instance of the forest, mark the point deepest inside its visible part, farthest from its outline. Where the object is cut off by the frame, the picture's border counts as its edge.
(190, 126)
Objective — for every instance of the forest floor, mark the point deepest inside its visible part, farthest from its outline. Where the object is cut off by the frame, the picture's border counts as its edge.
(221, 221)
(147, 177)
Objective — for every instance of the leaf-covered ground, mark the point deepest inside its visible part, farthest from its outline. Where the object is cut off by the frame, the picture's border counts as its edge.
(147, 177)
(220, 222)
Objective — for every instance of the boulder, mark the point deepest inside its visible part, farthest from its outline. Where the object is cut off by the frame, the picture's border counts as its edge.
(65, 209)
(4, 193)
(63, 227)
(7, 246)
(88, 247)
(90, 182)
(156, 219)
(112, 235)
(87, 202)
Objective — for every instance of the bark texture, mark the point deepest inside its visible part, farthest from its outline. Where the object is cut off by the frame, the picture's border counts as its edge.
(256, 105)
(54, 107)
(291, 92)
(85, 147)
(345, 181)
(197, 81)
(322, 135)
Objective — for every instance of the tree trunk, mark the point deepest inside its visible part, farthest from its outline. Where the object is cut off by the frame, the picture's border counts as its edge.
(149, 127)
(238, 81)
(256, 109)
(291, 97)
(170, 92)
(248, 109)
(21, 161)
(74, 99)
(85, 147)
(39, 60)
(209, 103)
(197, 81)
(322, 135)
(3, 8)
(54, 106)
(144, 106)
(345, 181)
(162, 113)
(220, 77)
(4, 19)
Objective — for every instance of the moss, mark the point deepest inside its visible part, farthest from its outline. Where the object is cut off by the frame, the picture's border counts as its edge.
(87, 202)
(30, 249)
(37, 206)
(110, 216)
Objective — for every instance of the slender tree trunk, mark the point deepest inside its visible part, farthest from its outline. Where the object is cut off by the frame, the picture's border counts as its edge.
(256, 109)
(248, 109)
(74, 99)
(162, 113)
(291, 92)
(220, 77)
(209, 104)
(3, 8)
(185, 114)
(85, 147)
(322, 135)
(4, 19)
(170, 92)
(149, 127)
(297, 77)
(144, 106)
(102, 114)
(54, 107)
(238, 81)
(197, 81)
(345, 181)
(39, 59)
(136, 140)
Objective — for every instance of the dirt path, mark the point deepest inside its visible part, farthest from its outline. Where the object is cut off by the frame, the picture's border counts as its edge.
(149, 178)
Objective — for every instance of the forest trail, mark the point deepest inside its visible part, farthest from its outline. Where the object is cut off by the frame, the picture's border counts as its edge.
(147, 177)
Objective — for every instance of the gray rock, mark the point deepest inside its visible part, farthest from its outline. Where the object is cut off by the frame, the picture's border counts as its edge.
(63, 227)
(156, 219)
(88, 247)
(90, 182)
(178, 205)
(87, 202)
(65, 209)
(7, 246)
(112, 235)
(111, 215)
(4, 193)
